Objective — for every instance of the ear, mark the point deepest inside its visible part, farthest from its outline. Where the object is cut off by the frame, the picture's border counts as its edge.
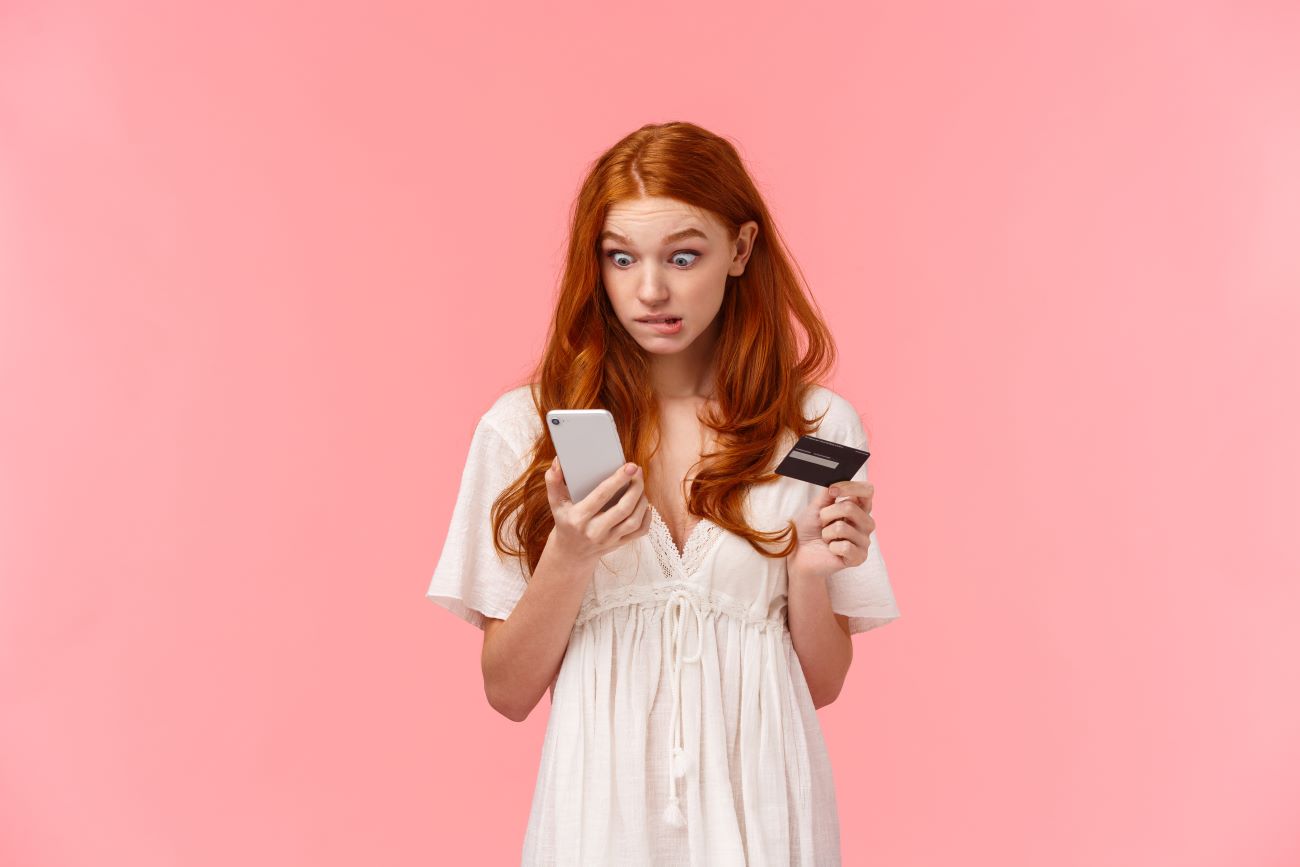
(745, 236)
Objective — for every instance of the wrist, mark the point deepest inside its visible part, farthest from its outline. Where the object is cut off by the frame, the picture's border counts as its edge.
(570, 560)
(799, 574)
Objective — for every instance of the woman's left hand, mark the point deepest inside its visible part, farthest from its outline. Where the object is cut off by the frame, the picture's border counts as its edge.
(834, 536)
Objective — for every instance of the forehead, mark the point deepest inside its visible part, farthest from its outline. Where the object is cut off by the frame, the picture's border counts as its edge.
(652, 215)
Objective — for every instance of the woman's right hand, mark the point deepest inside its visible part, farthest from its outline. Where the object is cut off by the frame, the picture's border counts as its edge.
(584, 532)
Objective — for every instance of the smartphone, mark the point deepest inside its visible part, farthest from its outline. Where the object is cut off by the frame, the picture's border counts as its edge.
(587, 443)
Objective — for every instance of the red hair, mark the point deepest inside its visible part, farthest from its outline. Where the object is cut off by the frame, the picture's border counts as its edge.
(591, 362)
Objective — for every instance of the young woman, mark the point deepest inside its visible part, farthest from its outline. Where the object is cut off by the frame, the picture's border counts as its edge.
(687, 634)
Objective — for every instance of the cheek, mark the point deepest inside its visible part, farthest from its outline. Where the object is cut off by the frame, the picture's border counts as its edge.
(611, 287)
(705, 291)
(615, 291)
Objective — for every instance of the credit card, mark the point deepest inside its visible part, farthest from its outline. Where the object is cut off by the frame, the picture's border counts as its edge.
(821, 462)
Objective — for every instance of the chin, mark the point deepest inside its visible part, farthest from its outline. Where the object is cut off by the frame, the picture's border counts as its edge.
(646, 341)
(660, 349)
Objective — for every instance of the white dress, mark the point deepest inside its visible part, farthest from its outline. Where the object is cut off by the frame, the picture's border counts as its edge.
(681, 729)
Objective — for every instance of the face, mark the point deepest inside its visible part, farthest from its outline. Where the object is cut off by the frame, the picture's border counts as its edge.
(660, 257)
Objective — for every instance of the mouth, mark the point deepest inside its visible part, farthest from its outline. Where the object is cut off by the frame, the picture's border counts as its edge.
(660, 319)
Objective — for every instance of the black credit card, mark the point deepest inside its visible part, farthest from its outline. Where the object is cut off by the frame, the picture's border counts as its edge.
(821, 462)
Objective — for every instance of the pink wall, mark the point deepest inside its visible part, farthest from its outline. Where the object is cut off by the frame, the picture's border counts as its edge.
(262, 266)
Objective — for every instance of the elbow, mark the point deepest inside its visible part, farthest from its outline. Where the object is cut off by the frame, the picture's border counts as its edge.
(507, 704)
(512, 714)
(509, 708)
(500, 697)
(828, 692)
(825, 698)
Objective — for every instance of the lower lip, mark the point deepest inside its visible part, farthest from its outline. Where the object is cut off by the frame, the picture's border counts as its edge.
(665, 327)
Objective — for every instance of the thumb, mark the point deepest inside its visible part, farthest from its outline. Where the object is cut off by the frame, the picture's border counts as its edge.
(826, 498)
(821, 500)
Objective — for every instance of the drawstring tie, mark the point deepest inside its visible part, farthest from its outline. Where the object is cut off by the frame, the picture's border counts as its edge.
(674, 618)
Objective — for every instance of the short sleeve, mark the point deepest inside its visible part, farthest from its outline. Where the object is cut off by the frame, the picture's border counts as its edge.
(472, 579)
(863, 593)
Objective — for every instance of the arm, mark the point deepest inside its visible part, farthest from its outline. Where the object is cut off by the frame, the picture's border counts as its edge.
(820, 637)
(522, 654)
(841, 516)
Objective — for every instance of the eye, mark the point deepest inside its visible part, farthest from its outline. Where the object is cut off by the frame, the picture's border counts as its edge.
(614, 255)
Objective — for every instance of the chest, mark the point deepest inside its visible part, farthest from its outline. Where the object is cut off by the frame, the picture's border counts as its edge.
(683, 442)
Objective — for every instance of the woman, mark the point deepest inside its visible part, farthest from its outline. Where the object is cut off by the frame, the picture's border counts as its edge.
(688, 633)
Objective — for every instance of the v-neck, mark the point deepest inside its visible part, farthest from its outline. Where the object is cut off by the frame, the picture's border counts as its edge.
(668, 535)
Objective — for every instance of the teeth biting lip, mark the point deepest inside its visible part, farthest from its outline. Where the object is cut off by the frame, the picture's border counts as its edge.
(660, 319)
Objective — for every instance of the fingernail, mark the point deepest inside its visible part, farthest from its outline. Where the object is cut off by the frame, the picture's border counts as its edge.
(835, 492)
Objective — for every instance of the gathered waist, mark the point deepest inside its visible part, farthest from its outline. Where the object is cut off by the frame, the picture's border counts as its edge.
(658, 595)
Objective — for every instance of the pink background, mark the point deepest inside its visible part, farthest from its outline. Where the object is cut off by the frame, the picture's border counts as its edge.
(263, 265)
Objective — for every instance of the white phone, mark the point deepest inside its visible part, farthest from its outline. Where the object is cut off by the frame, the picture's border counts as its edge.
(587, 443)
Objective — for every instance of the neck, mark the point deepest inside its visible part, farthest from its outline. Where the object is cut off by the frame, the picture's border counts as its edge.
(689, 374)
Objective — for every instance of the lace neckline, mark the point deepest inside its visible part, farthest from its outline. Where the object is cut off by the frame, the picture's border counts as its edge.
(697, 540)
(681, 552)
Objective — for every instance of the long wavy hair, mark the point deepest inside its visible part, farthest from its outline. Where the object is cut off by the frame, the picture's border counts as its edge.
(591, 362)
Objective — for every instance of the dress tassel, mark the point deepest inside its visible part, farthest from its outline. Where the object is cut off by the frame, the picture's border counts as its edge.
(673, 813)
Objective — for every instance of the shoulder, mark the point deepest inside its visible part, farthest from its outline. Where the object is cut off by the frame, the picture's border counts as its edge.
(514, 416)
(840, 420)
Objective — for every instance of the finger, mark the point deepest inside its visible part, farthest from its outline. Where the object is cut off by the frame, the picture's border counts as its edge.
(851, 554)
(589, 506)
(826, 498)
(848, 510)
(840, 529)
(612, 519)
(853, 487)
(630, 526)
(855, 501)
(861, 492)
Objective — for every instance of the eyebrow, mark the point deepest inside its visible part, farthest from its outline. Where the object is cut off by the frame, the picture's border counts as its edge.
(668, 239)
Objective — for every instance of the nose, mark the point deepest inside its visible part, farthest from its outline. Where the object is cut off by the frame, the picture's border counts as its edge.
(653, 286)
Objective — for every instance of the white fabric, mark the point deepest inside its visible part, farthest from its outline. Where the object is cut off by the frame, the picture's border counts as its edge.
(680, 688)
